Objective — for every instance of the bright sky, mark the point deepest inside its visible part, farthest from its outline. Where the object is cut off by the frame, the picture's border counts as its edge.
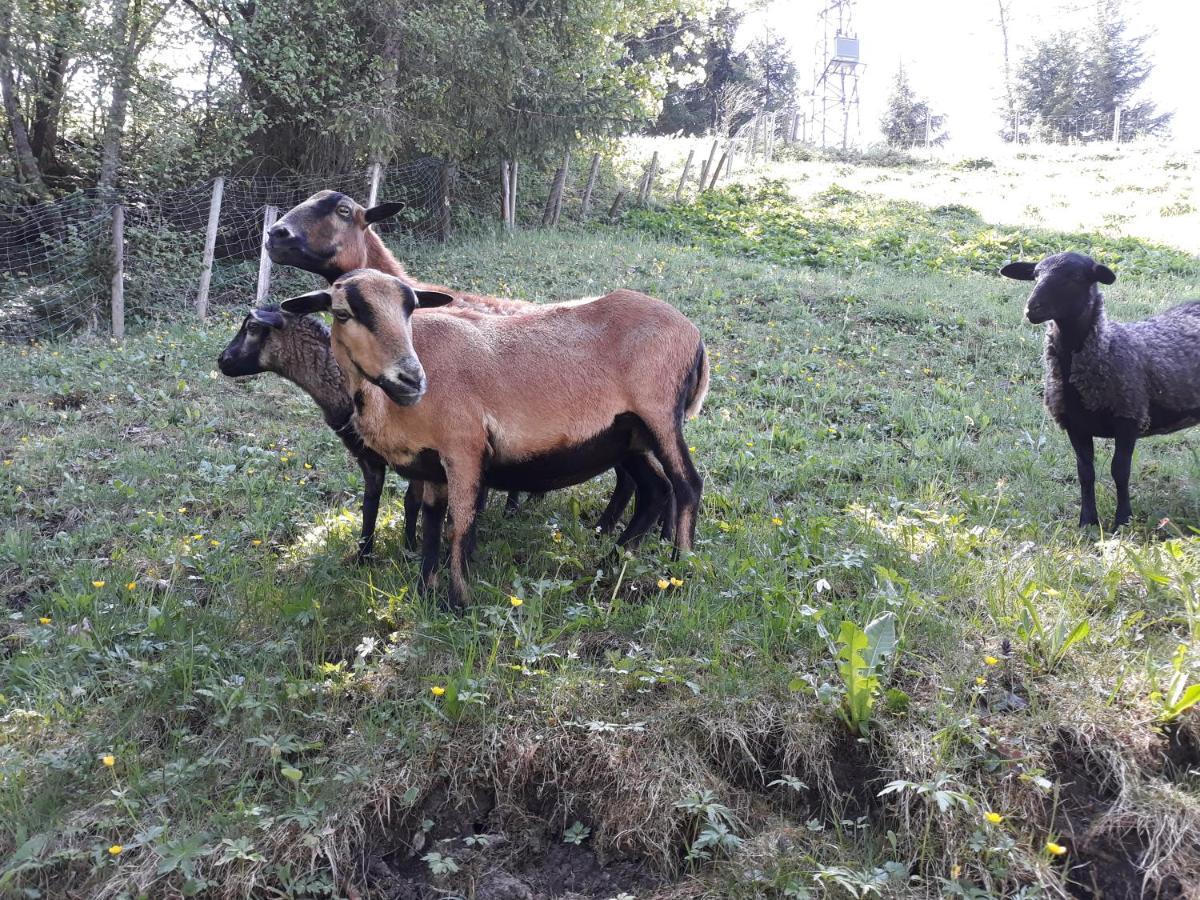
(953, 53)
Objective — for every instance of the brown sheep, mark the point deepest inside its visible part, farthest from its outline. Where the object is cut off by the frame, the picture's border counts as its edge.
(533, 402)
(330, 234)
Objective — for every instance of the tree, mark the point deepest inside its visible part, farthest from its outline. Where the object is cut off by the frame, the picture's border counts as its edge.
(1115, 68)
(1070, 82)
(909, 120)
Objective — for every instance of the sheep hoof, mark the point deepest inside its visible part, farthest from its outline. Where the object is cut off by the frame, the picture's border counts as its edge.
(362, 557)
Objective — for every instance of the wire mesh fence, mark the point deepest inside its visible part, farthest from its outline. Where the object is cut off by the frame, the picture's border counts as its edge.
(57, 258)
(185, 248)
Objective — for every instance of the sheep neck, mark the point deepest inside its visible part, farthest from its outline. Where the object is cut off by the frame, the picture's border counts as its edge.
(1071, 334)
(314, 370)
(381, 258)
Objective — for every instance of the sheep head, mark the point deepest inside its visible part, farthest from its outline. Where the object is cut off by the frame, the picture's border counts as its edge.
(326, 234)
(252, 351)
(372, 329)
(1065, 285)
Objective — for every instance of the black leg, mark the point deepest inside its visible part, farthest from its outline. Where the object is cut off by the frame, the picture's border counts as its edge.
(619, 500)
(469, 539)
(652, 494)
(1122, 464)
(373, 477)
(1085, 456)
(513, 504)
(433, 514)
(412, 507)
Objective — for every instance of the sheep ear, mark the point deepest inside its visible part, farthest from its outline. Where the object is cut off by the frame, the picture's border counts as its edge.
(1104, 274)
(433, 299)
(1021, 271)
(269, 317)
(382, 211)
(315, 301)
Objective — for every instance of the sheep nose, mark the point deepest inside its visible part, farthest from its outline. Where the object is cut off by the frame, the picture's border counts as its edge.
(279, 233)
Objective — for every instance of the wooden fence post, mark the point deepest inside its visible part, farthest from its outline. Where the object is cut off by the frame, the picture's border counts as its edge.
(210, 246)
(554, 202)
(717, 171)
(270, 214)
(118, 272)
(1116, 124)
(687, 165)
(648, 181)
(441, 212)
(708, 163)
(374, 176)
(591, 185)
(514, 168)
(616, 205)
(505, 188)
(558, 200)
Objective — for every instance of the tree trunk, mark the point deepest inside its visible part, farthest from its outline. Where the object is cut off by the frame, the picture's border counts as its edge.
(1003, 6)
(27, 166)
(124, 36)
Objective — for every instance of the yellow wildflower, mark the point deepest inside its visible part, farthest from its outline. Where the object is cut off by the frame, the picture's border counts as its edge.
(955, 871)
(437, 690)
(676, 582)
(183, 509)
(990, 660)
(663, 584)
(215, 543)
(1055, 849)
(131, 586)
(255, 541)
(775, 520)
(8, 462)
(981, 680)
(116, 850)
(97, 584)
(109, 760)
(557, 536)
(44, 620)
(515, 600)
(993, 818)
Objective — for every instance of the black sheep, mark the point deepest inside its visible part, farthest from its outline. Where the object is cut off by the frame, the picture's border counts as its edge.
(1120, 380)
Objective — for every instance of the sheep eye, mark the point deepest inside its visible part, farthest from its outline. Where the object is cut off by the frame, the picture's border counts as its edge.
(341, 315)
(253, 327)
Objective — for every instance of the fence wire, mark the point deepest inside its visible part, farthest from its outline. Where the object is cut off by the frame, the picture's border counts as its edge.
(56, 257)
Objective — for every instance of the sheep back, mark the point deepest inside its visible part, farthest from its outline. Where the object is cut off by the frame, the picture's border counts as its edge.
(1128, 369)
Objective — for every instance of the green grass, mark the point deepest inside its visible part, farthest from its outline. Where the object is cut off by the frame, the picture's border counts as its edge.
(873, 442)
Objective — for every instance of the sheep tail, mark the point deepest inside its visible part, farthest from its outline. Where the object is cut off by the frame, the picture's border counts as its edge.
(699, 379)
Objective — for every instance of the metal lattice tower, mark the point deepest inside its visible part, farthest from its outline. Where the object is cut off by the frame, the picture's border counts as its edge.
(835, 82)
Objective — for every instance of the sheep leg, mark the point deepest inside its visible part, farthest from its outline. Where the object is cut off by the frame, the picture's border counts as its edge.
(667, 519)
(513, 504)
(1122, 465)
(412, 508)
(374, 474)
(686, 484)
(1085, 465)
(464, 481)
(652, 494)
(433, 515)
(619, 500)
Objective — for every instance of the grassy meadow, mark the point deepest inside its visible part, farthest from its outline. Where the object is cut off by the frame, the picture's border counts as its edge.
(892, 667)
